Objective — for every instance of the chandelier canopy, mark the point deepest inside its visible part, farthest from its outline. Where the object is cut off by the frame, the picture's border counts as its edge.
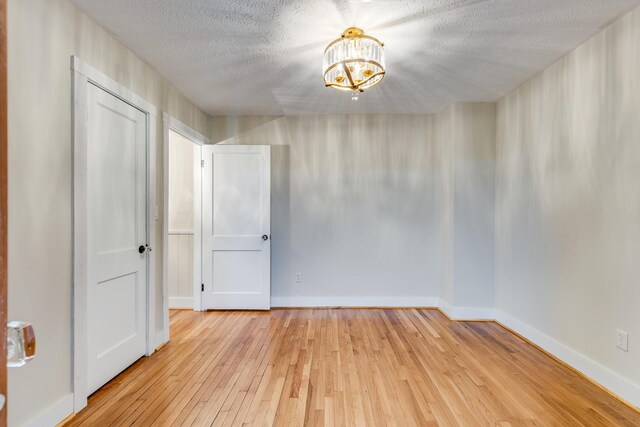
(354, 62)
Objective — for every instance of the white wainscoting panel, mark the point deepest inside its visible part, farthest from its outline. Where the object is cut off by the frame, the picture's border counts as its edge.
(181, 269)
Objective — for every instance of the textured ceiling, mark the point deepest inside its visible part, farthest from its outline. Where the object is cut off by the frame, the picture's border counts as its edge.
(265, 56)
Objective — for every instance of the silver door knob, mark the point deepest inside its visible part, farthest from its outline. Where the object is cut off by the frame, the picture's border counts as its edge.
(21, 344)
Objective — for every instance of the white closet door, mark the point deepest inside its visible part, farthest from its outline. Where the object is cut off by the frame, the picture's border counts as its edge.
(117, 258)
(236, 241)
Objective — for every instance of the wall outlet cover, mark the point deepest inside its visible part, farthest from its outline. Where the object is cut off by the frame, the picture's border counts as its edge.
(622, 340)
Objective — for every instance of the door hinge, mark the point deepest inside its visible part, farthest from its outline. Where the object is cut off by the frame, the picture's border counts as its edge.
(202, 163)
(202, 288)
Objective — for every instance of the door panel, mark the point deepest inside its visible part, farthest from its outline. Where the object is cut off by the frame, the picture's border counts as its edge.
(115, 327)
(117, 286)
(237, 191)
(236, 261)
(236, 271)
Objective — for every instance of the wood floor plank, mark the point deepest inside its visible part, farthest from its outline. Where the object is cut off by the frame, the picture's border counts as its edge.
(348, 367)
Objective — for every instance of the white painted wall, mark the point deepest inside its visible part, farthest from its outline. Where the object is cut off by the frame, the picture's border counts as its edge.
(568, 205)
(355, 206)
(444, 132)
(42, 36)
(466, 132)
(181, 217)
(473, 137)
(370, 209)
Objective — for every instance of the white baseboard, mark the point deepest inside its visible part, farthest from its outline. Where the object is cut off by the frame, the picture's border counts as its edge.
(466, 313)
(54, 414)
(161, 338)
(389, 301)
(610, 380)
(180, 302)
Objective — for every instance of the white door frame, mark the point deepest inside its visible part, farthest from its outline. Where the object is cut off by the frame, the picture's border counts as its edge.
(83, 75)
(171, 123)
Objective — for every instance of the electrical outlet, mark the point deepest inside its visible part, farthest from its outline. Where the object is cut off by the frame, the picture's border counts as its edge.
(298, 277)
(622, 340)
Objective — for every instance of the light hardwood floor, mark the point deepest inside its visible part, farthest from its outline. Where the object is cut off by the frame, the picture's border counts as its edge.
(335, 367)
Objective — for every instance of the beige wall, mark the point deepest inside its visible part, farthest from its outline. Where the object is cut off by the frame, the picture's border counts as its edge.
(223, 128)
(344, 187)
(470, 203)
(466, 132)
(43, 34)
(181, 170)
(366, 205)
(355, 205)
(444, 134)
(568, 201)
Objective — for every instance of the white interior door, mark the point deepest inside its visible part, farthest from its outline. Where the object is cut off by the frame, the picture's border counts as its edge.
(117, 228)
(236, 240)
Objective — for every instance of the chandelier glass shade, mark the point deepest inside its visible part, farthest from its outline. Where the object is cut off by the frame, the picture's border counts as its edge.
(354, 62)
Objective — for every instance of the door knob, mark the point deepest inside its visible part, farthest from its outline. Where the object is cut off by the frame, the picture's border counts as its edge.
(144, 248)
(21, 344)
(265, 237)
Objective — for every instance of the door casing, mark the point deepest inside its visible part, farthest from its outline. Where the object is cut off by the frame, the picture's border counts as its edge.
(82, 75)
(172, 124)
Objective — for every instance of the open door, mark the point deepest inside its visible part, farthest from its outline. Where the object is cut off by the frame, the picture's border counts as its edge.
(236, 240)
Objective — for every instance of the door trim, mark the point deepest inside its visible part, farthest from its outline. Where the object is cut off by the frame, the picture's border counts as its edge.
(82, 75)
(171, 123)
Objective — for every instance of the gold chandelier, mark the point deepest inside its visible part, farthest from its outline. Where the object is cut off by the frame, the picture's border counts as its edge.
(353, 62)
